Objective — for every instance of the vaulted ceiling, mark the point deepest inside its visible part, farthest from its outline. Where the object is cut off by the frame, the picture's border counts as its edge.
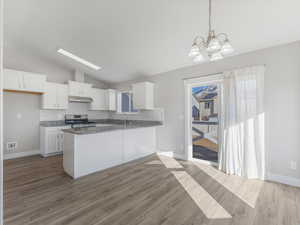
(135, 38)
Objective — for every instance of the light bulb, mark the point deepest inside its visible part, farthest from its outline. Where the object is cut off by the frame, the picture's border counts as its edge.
(194, 51)
(227, 48)
(216, 56)
(214, 45)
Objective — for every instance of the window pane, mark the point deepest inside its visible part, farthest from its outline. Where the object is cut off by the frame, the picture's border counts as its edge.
(125, 102)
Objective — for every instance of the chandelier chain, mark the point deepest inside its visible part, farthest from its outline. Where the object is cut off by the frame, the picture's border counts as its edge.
(209, 20)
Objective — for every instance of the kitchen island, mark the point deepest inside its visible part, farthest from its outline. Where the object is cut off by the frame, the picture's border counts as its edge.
(91, 149)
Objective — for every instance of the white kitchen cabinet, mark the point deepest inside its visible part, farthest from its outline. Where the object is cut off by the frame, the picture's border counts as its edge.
(34, 82)
(12, 80)
(78, 89)
(81, 157)
(55, 96)
(51, 140)
(138, 143)
(111, 99)
(143, 95)
(24, 81)
(62, 94)
(99, 99)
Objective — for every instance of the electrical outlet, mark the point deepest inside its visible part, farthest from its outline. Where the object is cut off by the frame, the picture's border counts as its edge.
(11, 146)
(293, 165)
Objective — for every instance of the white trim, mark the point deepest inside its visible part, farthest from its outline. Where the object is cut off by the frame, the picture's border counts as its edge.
(1, 111)
(283, 179)
(21, 154)
(188, 84)
(205, 162)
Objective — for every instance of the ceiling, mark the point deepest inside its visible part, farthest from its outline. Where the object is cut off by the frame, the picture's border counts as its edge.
(135, 38)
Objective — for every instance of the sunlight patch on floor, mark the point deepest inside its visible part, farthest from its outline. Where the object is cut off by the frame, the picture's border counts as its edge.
(245, 189)
(169, 162)
(208, 205)
(154, 162)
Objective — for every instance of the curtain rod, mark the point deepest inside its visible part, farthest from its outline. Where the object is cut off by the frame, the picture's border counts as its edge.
(212, 74)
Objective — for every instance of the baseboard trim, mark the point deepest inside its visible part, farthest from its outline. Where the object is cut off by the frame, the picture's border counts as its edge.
(283, 179)
(20, 154)
(172, 155)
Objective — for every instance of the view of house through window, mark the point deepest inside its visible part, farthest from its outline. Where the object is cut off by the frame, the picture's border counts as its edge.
(126, 103)
(205, 122)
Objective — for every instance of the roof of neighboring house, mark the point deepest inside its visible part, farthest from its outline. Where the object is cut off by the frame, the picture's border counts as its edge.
(204, 93)
(210, 88)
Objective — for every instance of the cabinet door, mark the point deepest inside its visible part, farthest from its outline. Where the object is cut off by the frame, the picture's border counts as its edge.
(34, 82)
(98, 96)
(74, 89)
(49, 99)
(143, 95)
(60, 141)
(52, 142)
(111, 99)
(62, 96)
(138, 143)
(12, 80)
(79, 89)
(85, 90)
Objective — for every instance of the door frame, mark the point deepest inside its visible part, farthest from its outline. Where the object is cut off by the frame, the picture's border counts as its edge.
(1, 111)
(188, 85)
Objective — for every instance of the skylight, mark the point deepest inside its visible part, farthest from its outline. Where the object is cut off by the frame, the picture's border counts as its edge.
(78, 59)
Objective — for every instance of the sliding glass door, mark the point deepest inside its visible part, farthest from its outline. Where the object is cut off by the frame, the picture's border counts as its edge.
(205, 121)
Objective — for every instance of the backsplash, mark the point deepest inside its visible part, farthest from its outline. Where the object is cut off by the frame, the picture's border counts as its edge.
(154, 115)
(74, 108)
(83, 108)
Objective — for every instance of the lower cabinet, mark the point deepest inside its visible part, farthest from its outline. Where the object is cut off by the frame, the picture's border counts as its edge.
(51, 140)
(138, 143)
(86, 154)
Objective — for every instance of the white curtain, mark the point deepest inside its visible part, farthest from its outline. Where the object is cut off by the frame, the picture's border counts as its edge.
(242, 150)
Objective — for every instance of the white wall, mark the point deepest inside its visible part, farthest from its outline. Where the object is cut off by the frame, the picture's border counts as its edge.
(21, 123)
(282, 94)
(1, 112)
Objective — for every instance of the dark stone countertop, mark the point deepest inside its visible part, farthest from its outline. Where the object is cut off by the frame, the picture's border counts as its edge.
(56, 123)
(61, 123)
(117, 125)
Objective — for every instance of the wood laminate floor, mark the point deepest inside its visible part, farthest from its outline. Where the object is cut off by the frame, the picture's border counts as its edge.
(151, 191)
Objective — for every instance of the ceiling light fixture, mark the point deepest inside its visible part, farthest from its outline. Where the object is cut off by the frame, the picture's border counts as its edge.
(78, 59)
(215, 47)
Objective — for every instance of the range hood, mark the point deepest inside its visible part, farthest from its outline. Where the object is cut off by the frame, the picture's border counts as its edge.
(80, 99)
(79, 77)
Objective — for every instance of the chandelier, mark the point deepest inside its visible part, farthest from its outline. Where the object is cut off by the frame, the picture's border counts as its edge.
(215, 47)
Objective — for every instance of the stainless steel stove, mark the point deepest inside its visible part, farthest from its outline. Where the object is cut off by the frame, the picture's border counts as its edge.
(79, 120)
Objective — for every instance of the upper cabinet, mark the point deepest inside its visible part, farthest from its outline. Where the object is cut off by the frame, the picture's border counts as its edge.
(111, 99)
(143, 95)
(78, 89)
(99, 101)
(24, 81)
(55, 96)
(103, 99)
